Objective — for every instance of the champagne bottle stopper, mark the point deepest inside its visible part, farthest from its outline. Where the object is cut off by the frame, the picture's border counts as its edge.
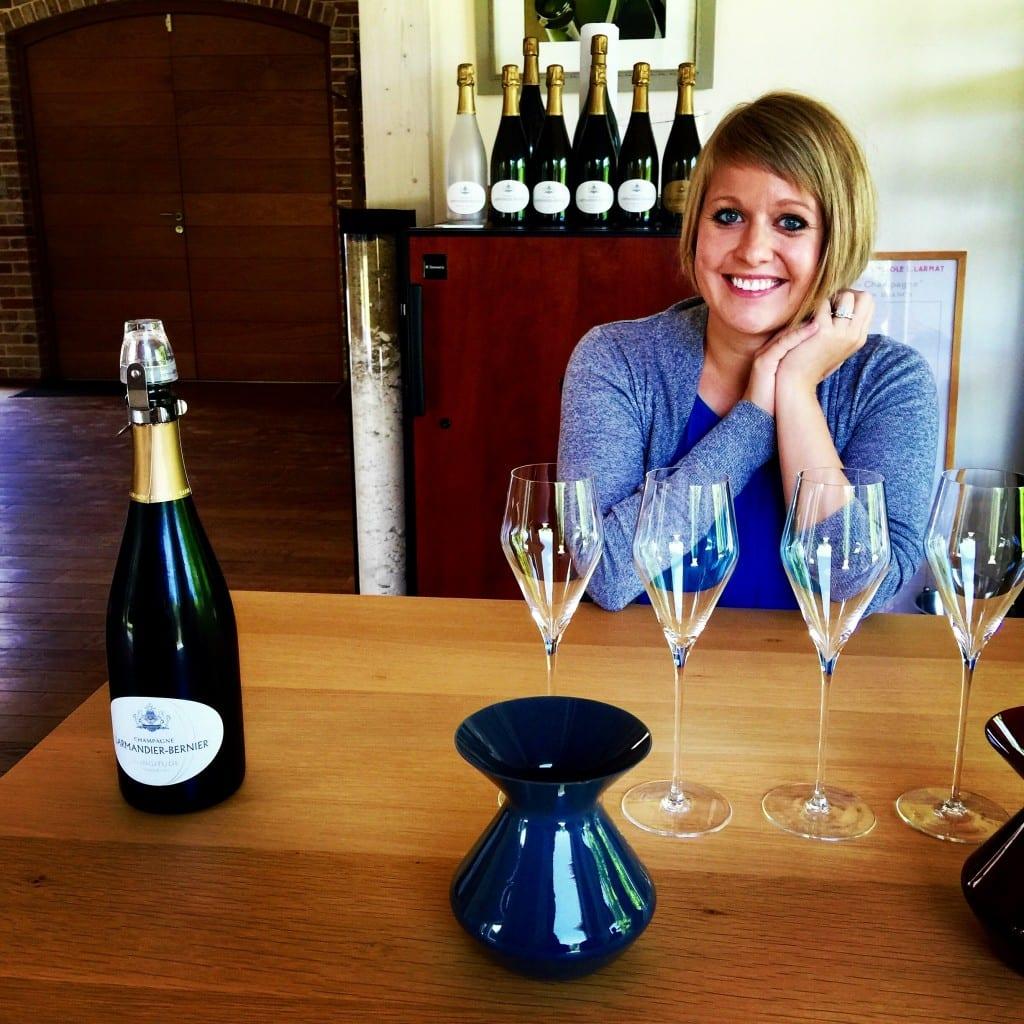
(147, 367)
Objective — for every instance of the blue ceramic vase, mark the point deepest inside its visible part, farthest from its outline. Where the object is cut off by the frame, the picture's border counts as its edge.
(551, 888)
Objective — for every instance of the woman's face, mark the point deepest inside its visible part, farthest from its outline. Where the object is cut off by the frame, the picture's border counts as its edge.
(758, 246)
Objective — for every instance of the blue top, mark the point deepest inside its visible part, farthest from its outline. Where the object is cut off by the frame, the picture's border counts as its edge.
(759, 580)
(630, 393)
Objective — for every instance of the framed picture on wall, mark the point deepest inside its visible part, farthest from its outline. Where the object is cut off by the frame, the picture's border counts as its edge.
(919, 300)
(662, 32)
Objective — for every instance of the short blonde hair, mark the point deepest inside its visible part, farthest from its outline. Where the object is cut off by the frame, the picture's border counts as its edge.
(806, 144)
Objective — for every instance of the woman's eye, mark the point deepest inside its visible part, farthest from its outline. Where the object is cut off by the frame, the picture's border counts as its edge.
(726, 216)
(790, 222)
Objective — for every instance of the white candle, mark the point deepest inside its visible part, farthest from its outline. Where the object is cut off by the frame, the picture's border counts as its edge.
(547, 561)
(825, 577)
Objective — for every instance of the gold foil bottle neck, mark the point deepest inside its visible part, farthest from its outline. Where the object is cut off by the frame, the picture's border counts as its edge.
(510, 86)
(158, 473)
(598, 44)
(684, 102)
(598, 89)
(556, 80)
(531, 69)
(467, 83)
(641, 73)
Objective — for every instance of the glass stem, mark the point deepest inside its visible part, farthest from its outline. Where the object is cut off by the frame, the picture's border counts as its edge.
(550, 650)
(965, 695)
(676, 796)
(818, 801)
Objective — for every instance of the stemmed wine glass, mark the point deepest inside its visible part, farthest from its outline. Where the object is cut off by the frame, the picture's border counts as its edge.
(835, 550)
(553, 538)
(685, 549)
(973, 544)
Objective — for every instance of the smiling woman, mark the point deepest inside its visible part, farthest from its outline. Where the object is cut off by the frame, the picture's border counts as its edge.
(771, 370)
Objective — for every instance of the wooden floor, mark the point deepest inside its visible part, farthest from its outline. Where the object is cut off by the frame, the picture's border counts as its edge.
(270, 467)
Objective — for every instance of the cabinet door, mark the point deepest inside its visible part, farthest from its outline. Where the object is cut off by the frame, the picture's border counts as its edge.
(498, 331)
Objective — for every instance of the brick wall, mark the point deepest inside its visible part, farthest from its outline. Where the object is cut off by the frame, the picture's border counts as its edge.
(22, 326)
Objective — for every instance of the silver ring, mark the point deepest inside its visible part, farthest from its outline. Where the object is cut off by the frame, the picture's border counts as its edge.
(843, 314)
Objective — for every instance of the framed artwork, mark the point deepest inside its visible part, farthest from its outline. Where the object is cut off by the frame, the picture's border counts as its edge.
(919, 300)
(662, 32)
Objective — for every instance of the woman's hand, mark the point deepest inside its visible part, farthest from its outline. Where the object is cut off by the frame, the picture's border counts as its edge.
(761, 384)
(839, 334)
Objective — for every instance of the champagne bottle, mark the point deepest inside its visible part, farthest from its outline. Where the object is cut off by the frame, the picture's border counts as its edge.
(637, 181)
(467, 161)
(593, 159)
(598, 55)
(681, 151)
(510, 194)
(550, 166)
(531, 107)
(172, 645)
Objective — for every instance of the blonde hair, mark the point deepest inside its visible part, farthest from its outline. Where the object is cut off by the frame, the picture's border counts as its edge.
(803, 142)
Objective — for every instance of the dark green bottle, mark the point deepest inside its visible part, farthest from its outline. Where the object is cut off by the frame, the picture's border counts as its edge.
(531, 106)
(172, 644)
(549, 169)
(681, 152)
(510, 194)
(636, 192)
(598, 55)
(593, 161)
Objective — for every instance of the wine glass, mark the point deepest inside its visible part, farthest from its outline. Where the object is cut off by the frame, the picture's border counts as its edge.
(685, 549)
(553, 538)
(973, 544)
(835, 550)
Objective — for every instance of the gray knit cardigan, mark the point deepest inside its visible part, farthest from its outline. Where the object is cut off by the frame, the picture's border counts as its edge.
(629, 390)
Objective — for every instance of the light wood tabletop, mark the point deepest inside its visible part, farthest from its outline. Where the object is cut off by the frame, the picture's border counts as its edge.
(319, 892)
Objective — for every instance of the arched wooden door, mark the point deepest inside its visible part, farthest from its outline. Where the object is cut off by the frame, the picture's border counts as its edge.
(184, 170)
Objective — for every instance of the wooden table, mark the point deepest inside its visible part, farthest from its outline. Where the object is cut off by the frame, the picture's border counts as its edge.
(320, 891)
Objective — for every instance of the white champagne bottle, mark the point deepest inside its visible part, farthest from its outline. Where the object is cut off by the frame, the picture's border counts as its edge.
(467, 159)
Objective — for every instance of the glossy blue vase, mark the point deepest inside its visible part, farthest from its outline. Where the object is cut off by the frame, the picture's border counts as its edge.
(552, 889)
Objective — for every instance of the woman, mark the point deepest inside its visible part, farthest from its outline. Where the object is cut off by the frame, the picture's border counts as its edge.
(771, 370)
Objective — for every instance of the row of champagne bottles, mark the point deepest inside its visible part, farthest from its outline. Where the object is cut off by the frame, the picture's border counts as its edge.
(537, 178)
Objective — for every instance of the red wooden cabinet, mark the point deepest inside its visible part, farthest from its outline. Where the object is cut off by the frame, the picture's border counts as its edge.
(500, 315)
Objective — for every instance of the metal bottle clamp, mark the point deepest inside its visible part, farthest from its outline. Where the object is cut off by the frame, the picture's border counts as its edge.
(140, 409)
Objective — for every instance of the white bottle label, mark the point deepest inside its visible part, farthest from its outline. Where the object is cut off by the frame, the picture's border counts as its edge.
(161, 741)
(594, 197)
(637, 195)
(509, 196)
(466, 197)
(550, 197)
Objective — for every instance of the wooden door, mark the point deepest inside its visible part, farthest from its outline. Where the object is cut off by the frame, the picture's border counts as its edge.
(109, 187)
(185, 171)
(257, 178)
(497, 334)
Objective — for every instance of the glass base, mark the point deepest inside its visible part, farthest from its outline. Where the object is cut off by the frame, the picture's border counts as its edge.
(972, 819)
(701, 810)
(841, 815)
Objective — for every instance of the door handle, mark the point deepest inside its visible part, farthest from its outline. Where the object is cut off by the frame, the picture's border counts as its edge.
(177, 215)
